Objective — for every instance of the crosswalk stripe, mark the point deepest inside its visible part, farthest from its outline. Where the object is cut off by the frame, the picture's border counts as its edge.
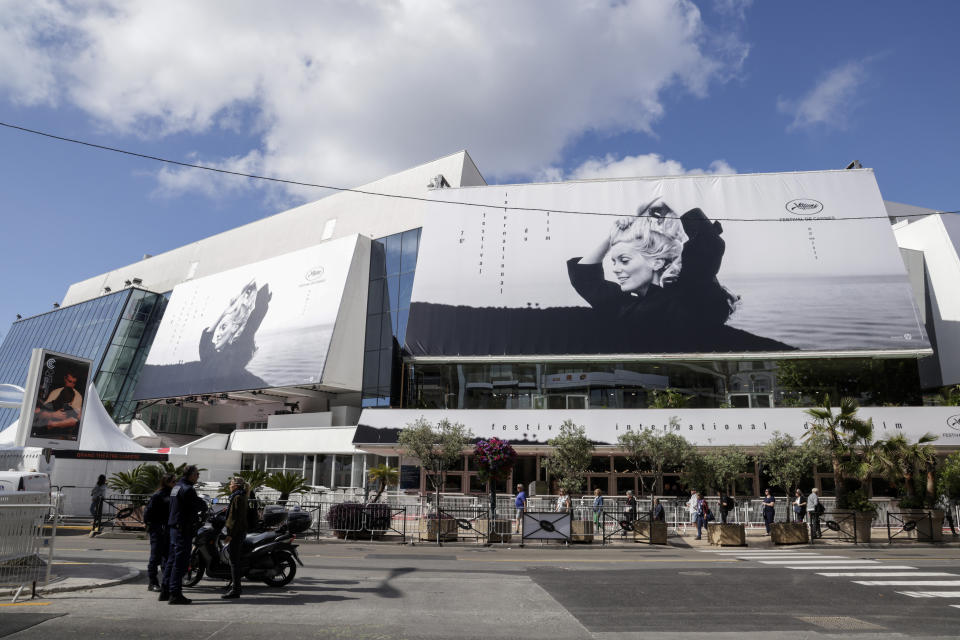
(749, 551)
(907, 583)
(786, 555)
(831, 567)
(801, 562)
(931, 594)
(886, 574)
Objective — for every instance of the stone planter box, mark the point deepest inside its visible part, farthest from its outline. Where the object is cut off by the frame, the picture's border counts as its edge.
(502, 530)
(654, 532)
(927, 529)
(726, 535)
(864, 523)
(581, 531)
(789, 533)
(428, 529)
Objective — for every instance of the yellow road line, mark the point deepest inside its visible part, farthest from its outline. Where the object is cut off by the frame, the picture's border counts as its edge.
(24, 604)
(66, 562)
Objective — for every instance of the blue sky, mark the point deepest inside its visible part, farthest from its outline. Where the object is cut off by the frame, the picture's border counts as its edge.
(343, 93)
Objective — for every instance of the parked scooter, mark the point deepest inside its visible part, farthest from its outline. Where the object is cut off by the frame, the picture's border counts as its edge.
(269, 557)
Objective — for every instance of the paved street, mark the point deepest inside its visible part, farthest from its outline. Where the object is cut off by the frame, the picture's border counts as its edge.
(358, 590)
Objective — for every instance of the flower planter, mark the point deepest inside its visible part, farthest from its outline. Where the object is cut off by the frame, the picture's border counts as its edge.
(726, 535)
(864, 520)
(428, 529)
(928, 529)
(581, 531)
(789, 533)
(501, 531)
(654, 532)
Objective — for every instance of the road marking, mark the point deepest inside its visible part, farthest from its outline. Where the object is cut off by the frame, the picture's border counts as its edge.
(801, 562)
(932, 594)
(907, 583)
(886, 574)
(787, 555)
(850, 567)
(66, 562)
(24, 604)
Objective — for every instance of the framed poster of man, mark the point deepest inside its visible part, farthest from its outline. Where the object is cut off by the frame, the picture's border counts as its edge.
(54, 403)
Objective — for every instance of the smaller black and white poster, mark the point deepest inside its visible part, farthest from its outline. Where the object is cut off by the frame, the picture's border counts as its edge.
(56, 407)
(262, 325)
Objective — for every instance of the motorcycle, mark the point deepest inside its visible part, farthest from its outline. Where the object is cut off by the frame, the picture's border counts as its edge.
(268, 556)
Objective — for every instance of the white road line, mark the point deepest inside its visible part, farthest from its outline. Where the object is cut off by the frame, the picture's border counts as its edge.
(831, 567)
(908, 583)
(886, 574)
(786, 555)
(932, 594)
(748, 551)
(801, 562)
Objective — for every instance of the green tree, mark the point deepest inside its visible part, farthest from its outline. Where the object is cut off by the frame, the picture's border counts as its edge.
(438, 449)
(903, 460)
(787, 463)
(669, 399)
(950, 396)
(570, 455)
(836, 430)
(698, 473)
(384, 476)
(254, 479)
(727, 464)
(654, 452)
(948, 480)
(287, 482)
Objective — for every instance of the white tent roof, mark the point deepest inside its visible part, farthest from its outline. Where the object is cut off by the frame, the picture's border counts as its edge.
(98, 431)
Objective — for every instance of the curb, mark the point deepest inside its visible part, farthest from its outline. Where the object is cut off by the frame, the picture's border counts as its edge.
(132, 574)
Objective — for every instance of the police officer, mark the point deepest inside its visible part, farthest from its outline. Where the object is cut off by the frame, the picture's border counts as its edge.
(236, 532)
(155, 516)
(185, 506)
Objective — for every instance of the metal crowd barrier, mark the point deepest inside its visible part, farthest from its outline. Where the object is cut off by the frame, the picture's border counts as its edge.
(839, 526)
(909, 526)
(22, 543)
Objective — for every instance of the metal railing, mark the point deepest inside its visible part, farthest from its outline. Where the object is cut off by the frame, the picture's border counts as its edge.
(839, 526)
(909, 525)
(22, 543)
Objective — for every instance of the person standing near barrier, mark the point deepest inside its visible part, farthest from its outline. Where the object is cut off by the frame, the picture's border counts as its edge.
(657, 512)
(97, 494)
(727, 504)
(185, 505)
(692, 505)
(700, 515)
(521, 504)
(799, 506)
(236, 533)
(563, 502)
(769, 509)
(597, 507)
(155, 517)
(813, 511)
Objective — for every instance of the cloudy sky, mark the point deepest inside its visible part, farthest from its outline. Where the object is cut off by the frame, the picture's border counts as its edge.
(345, 92)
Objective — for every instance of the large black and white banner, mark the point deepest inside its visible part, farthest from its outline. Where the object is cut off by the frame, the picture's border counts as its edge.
(693, 264)
(53, 408)
(266, 324)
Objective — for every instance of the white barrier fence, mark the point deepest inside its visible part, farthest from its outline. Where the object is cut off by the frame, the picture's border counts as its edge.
(22, 543)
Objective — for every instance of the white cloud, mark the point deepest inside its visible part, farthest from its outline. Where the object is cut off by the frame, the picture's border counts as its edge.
(343, 93)
(830, 101)
(651, 164)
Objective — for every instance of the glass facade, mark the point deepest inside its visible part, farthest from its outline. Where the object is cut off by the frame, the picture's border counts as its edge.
(170, 418)
(635, 385)
(87, 329)
(393, 261)
(320, 469)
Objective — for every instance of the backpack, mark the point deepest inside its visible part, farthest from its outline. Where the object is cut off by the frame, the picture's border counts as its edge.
(819, 509)
(253, 512)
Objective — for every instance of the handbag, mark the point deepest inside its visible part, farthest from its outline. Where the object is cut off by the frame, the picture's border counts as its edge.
(710, 516)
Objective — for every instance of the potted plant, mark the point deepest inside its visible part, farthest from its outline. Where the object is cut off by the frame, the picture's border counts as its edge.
(909, 463)
(495, 459)
(571, 452)
(787, 464)
(858, 523)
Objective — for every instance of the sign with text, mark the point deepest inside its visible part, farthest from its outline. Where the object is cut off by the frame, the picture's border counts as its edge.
(53, 404)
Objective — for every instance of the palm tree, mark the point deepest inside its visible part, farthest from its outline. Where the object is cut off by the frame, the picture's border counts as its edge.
(385, 476)
(903, 459)
(836, 429)
(287, 482)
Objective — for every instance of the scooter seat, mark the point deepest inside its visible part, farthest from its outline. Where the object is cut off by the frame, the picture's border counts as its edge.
(256, 539)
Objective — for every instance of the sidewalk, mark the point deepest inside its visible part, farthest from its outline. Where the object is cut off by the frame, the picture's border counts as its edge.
(78, 576)
(758, 539)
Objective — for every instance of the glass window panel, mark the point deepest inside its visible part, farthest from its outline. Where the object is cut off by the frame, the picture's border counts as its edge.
(386, 330)
(410, 242)
(375, 299)
(373, 331)
(393, 253)
(371, 369)
(406, 290)
(394, 319)
(294, 463)
(393, 291)
(378, 260)
(275, 461)
(386, 368)
(402, 325)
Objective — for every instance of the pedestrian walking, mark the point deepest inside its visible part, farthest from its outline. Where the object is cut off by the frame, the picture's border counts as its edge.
(657, 512)
(236, 533)
(185, 509)
(700, 516)
(814, 509)
(799, 505)
(597, 507)
(155, 517)
(769, 509)
(97, 494)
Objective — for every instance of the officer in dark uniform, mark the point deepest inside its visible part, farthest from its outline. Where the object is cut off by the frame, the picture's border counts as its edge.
(185, 507)
(236, 532)
(155, 517)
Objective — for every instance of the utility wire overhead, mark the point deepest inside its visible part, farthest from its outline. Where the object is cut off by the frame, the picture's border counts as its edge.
(298, 183)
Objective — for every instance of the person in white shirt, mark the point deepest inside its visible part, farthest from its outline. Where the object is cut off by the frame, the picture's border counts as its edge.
(692, 505)
(563, 502)
(813, 501)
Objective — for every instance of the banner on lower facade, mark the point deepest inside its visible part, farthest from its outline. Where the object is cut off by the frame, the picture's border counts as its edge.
(701, 427)
(773, 263)
(265, 324)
